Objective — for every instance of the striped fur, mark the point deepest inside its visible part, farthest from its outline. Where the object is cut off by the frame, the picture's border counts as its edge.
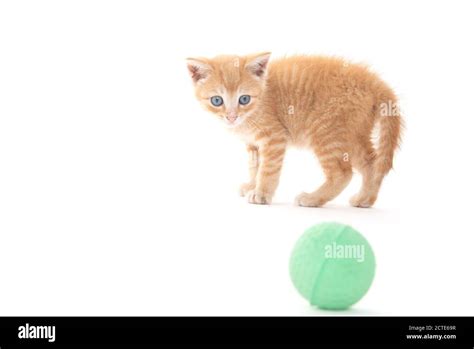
(324, 104)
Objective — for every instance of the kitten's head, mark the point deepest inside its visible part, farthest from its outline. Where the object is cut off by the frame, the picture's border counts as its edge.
(229, 86)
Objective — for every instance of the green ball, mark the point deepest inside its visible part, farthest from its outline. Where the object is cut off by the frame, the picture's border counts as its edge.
(332, 265)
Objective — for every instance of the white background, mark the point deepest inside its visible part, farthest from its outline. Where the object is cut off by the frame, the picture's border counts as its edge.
(118, 194)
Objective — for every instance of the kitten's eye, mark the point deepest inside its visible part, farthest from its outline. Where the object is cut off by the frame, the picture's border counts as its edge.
(217, 101)
(244, 99)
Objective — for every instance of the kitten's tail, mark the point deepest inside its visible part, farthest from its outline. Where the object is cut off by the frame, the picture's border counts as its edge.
(391, 126)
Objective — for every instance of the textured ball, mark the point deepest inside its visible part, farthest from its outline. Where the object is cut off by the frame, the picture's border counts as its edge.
(332, 265)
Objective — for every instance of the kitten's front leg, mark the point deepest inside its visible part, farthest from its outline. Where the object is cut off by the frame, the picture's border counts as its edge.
(252, 151)
(271, 154)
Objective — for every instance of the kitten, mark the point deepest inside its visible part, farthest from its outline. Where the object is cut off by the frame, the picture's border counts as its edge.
(320, 103)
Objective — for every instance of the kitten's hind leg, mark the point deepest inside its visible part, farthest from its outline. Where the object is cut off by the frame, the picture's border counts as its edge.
(338, 175)
(364, 163)
(367, 195)
(253, 163)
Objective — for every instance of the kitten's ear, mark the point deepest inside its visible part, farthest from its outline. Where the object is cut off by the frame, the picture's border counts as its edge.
(257, 64)
(198, 68)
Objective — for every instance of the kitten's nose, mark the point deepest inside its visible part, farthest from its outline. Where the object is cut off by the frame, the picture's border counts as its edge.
(231, 117)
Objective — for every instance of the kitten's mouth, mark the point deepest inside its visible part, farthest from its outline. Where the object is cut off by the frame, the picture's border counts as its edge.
(233, 122)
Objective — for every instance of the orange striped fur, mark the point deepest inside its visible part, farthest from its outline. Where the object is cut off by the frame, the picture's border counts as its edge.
(324, 104)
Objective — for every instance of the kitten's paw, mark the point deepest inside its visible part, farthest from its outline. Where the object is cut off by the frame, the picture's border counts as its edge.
(362, 201)
(309, 200)
(245, 188)
(257, 197)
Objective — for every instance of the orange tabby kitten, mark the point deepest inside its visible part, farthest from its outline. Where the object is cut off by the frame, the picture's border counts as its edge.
(324, 104)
